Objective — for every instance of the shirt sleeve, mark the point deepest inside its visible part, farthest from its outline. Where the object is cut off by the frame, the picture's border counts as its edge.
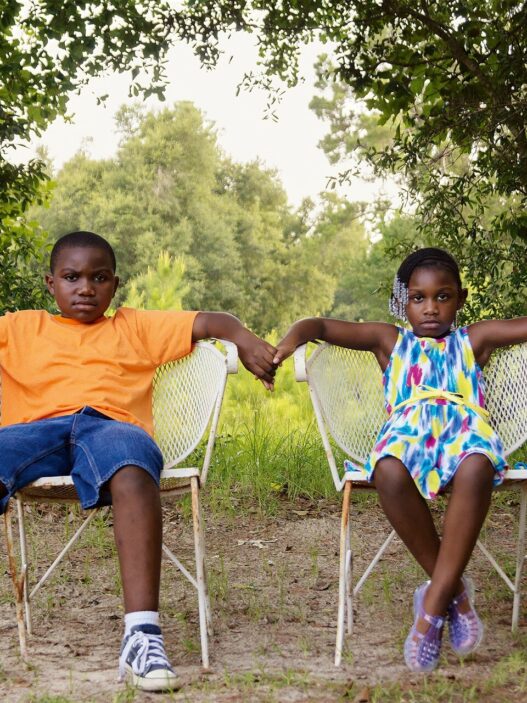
(165, 335)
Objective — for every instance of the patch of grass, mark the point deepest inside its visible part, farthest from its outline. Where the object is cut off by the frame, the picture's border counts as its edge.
(218, 582)
(127, 696)
(509, 673)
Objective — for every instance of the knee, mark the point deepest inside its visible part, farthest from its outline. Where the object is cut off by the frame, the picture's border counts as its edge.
(131, 481)
(475, 472)
(391, 477)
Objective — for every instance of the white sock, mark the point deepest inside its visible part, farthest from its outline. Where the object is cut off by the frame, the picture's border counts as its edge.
(140, 617)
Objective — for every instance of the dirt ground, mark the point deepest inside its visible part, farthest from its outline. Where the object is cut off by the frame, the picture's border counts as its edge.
(273, 583)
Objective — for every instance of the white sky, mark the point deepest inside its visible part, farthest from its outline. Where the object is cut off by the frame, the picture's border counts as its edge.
(289, 145)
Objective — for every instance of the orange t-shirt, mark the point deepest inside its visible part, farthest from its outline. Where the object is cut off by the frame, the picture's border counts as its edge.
(54, 366)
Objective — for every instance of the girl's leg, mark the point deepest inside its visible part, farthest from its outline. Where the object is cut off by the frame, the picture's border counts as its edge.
(465, 514)
(407, 511)
(138, 536)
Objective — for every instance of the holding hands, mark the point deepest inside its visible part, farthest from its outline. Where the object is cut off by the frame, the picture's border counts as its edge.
(258, 356)
(255, 353)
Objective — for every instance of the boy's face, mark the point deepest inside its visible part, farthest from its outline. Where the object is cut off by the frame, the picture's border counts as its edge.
(83, 282)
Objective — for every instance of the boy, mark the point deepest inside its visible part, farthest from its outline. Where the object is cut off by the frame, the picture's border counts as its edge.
(77, 399)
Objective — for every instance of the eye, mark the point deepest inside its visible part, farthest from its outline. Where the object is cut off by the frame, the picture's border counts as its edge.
(417, 298)
(101, 277)
(70, 277)
(442, 297)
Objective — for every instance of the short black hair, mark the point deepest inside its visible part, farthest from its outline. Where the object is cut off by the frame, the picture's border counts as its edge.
(80, 239)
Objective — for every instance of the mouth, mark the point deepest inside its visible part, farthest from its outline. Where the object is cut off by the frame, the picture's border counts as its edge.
(430, 324)
(84, 305)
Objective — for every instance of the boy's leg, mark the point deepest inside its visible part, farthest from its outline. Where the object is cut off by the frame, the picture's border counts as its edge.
(138, 536)
(30, 451)
(119, 463)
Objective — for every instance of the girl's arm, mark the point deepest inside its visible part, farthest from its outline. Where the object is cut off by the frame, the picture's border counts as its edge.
(377, 337)
(488, 335)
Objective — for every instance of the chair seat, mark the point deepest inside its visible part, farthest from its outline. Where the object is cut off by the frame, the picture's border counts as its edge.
(60, 489)
(513, 477)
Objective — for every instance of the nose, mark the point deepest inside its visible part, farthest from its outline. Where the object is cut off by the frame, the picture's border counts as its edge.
(431, 308)
(85, 287)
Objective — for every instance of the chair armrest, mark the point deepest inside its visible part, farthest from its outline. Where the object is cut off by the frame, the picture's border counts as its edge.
(299, 358)
(231, 354)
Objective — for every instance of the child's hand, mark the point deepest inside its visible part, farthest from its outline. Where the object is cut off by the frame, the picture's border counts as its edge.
(284, 349)
(257, 357)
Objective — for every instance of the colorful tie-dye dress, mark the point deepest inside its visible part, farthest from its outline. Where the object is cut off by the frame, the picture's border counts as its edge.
(432, 436)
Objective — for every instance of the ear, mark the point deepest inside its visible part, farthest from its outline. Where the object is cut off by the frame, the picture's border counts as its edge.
(49, 283)
(116, 282)
(463, 294)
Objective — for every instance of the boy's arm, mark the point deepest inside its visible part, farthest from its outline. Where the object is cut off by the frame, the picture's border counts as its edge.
(255, 354)
(487, 335)
(377, 337)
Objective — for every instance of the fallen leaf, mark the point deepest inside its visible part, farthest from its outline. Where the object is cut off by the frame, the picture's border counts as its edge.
(363, 697)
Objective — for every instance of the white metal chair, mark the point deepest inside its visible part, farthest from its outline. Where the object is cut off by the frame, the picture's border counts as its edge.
(346, 391)
(187, 397)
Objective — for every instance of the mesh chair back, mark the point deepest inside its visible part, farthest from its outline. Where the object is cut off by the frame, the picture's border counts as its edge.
(348, 386)
(506, 395)
(185, 394)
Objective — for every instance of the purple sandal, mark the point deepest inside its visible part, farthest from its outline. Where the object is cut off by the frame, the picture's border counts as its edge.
(422, 649)
(465, 629)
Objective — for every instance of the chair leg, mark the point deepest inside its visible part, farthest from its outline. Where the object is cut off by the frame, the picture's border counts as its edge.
(18, 584)
(23, 560)
(199, 544)
(349, 578)
(339, 645)
(520, 558)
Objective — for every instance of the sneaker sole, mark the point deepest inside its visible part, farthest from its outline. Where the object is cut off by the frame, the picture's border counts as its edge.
(168, 682)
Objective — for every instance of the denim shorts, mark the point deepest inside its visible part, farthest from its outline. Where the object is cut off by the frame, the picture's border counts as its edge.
(88, 445)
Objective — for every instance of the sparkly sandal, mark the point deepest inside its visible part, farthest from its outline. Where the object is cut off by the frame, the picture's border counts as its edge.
(422, 649)
(465, 630)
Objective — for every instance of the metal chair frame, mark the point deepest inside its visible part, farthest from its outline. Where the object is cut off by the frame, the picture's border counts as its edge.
(346, 392)
(187, 399)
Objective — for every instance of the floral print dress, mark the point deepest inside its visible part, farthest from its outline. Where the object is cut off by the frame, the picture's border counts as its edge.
(433, 390)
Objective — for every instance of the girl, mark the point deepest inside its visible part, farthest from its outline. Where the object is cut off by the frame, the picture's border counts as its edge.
(437, 434)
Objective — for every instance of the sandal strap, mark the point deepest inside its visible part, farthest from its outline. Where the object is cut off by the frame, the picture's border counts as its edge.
(435, 620)
(461, 598)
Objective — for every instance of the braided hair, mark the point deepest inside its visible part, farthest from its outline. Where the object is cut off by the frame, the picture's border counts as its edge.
(430, 257)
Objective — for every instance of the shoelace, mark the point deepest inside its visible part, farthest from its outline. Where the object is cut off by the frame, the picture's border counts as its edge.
(150, 651)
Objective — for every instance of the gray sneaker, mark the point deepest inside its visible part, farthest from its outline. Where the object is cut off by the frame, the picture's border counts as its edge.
(144, 659)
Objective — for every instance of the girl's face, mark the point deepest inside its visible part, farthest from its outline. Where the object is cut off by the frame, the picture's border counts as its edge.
(433, 300)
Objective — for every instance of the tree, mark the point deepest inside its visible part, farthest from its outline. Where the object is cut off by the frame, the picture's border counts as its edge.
(170, 189)
(47, 51)
(449, 78)
(162, 288)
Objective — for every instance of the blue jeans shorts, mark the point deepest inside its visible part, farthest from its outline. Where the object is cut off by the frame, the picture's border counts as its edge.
(88, 445)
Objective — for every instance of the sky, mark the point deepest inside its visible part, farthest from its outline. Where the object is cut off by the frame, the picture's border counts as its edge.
(288, 145)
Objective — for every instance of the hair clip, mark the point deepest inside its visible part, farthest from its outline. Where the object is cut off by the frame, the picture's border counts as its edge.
(398, 299)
